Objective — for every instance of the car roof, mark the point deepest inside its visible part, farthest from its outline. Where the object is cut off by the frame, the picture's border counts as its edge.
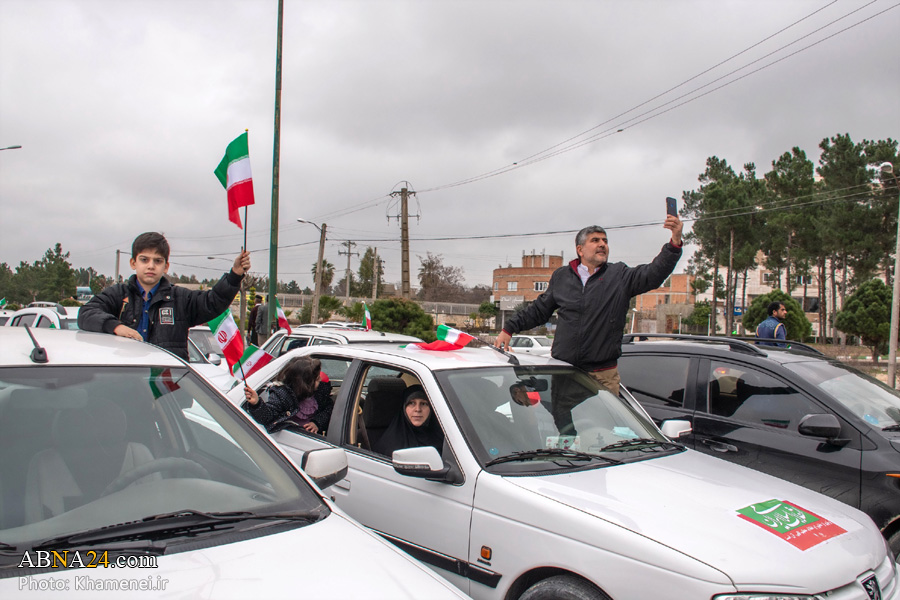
(355, 336)
(718, 346)
(70, 347)
(436, 360)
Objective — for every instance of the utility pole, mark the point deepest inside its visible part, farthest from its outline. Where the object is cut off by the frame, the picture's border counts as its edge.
(404, 242)
(118, 256)
(276, 154)
(374, 274)
(349, 253)
(888, 181)
(404, 194)
(320, 266)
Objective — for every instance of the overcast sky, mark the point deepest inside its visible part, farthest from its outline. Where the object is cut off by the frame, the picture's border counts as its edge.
(124, 109)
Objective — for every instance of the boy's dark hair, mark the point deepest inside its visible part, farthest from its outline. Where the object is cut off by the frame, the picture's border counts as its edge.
(300, 374)
(773, 306)
(150, 241)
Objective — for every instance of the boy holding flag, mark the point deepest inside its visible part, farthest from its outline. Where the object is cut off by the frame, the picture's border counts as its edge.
(148, 307)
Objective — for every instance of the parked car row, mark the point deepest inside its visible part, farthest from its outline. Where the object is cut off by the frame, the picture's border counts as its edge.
(540, 484)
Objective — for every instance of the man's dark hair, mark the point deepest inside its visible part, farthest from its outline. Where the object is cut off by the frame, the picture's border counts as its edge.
(773, 306)
(258, 297)
(581, 236)
(150, 241)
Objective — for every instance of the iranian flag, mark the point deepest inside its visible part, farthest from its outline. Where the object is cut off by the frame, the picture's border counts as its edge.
(448, 338)
(228, 336)
(234, 174)
(367, 318)
(162, 382)
(252, 360)
(282, 319)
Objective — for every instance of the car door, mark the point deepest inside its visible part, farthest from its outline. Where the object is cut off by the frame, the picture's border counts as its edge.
(750, 416)
(430, 519)
(664, 385)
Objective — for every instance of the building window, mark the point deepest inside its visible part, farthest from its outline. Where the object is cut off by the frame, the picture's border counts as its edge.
(540, 286)
(496, 286)
(768, 278)
(804, 280)
(512, 286)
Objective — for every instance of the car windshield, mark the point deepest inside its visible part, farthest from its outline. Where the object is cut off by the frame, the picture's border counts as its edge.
(868, 398)
(540, 413)
(91, 447)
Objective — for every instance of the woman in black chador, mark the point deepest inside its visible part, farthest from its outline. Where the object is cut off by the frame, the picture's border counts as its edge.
(413, 427)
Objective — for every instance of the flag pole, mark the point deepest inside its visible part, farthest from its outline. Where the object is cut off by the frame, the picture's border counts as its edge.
(244, 247)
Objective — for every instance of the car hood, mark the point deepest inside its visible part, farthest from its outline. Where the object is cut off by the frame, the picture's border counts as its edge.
(689, 502)
(308, 562)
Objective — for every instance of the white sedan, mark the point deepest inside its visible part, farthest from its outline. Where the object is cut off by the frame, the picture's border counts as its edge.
(531, 344)
(116, 454)
(543, 485)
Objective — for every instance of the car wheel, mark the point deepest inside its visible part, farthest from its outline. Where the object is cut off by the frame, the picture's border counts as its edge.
(563, 587)
(894, 543)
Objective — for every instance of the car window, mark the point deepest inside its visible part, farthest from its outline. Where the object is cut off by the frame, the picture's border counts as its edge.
(543, 341)
(45, 323)
(292, 343)
(97, 446)
(508, 410)
(375, 407)
(324, 342)
(23, 320)
(747, 394)
(868, 398)
(655, 380)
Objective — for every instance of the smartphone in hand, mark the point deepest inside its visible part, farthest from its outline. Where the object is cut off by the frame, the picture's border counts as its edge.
(671, 207)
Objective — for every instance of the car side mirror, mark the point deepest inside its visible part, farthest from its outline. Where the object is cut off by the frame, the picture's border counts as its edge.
(424, 462)
(822, 425)
(214, 359)
(325, 466)
(674, 429)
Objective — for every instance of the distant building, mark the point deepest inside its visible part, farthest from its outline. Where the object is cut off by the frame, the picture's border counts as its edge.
(513, 286)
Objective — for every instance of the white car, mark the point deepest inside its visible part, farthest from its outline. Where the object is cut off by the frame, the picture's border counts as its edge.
(281, 342)
(211, 367)
(205, 340)
(531, 344)
(547, 486)
(116, 454)
(55, 317)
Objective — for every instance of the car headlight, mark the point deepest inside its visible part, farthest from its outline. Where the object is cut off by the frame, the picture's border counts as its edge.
(752, 596)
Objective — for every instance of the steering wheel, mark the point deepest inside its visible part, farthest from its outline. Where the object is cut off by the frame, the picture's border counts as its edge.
(160, 465)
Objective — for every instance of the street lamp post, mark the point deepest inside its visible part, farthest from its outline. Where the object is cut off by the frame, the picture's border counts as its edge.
(633, 316)
(887, 177)
(11, 148)
(320, 266)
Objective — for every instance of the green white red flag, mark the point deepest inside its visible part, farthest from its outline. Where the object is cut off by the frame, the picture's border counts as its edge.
(252, 360)
(367, 318)
(282, 319)
(162, 382)
(234, 174)
(228, 336)
(448, 338)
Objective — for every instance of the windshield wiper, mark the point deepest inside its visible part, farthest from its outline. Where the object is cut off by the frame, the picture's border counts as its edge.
(894, 427)
(551, 453)
(169, 525)
(641, 442)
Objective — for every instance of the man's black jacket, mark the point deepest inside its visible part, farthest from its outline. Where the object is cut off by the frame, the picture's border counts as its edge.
(591, 317)
(173, 310)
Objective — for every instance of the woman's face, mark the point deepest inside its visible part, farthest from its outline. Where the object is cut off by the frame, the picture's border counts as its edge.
(418, 411)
